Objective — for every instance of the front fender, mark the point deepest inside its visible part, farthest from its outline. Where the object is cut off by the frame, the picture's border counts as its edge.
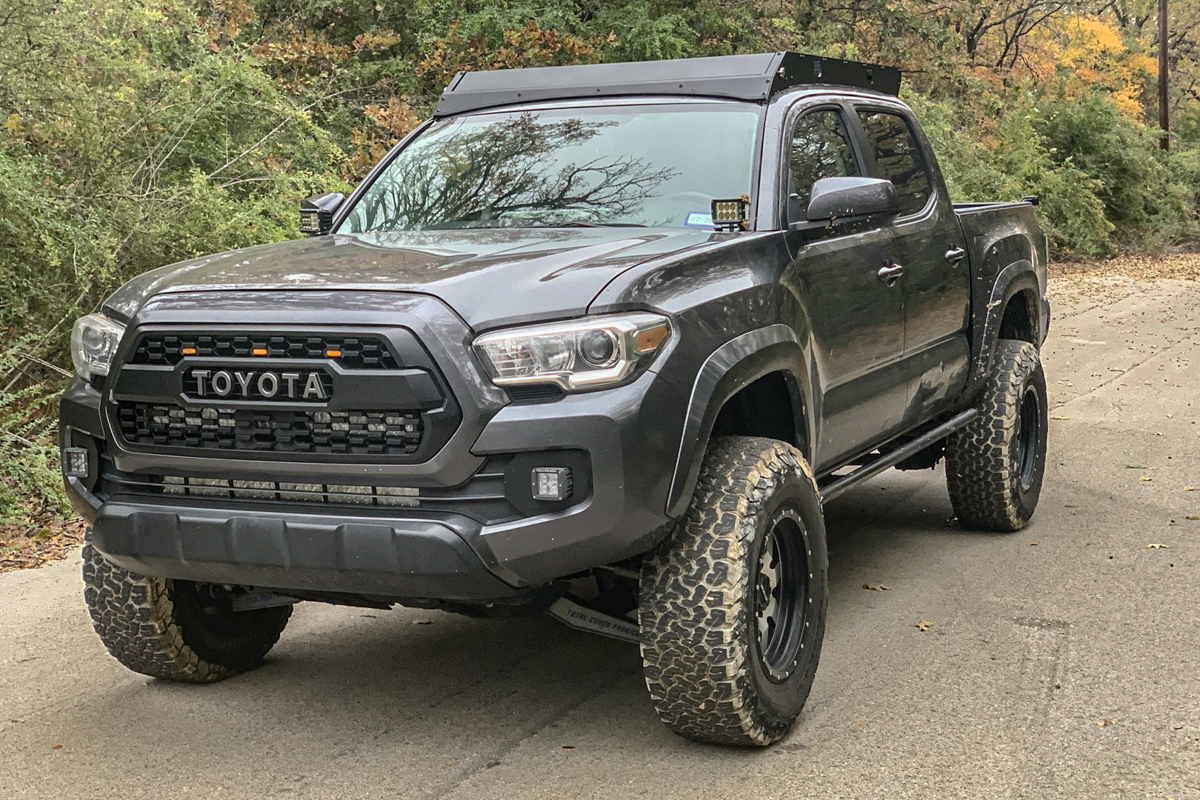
(731, 367)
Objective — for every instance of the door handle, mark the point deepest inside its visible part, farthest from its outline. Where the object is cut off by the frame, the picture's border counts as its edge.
(890, 273)
(955, 255)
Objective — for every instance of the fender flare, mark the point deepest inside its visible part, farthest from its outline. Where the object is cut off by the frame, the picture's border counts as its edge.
(1014, 279)
(729, 369)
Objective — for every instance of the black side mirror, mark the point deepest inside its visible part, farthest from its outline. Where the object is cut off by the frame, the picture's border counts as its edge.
(835, 199)
(316, 213)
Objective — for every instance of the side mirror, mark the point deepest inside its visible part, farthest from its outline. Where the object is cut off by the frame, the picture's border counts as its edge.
(837, 198)
(316, 213)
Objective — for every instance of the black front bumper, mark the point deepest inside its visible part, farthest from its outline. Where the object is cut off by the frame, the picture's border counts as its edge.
(415, 558)
(629, 438)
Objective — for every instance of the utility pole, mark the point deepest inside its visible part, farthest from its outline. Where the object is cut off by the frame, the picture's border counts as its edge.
(1164, 111)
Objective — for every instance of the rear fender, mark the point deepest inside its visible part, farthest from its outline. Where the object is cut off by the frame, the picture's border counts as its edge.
(988, 310)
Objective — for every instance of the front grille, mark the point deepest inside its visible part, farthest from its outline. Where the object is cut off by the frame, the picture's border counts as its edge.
(337, 432)
(354, 352)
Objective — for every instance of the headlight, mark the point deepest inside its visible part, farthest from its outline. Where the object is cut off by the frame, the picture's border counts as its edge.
(585, 354)
(94, 342)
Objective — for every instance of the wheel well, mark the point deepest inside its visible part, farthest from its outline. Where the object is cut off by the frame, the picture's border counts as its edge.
(763, 408)
(1019, 321)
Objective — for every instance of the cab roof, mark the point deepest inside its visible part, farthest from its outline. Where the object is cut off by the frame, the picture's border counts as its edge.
(756, 78)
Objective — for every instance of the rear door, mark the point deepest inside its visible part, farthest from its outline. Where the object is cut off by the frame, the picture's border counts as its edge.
(931, 249)
(854, 318)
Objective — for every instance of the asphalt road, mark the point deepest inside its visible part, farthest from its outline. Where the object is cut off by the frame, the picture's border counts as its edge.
(1037, 637)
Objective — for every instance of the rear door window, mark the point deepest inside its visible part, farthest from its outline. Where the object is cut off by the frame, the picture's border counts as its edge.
(898, 158)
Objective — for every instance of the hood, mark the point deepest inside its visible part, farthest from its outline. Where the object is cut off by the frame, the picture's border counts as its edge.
(489, 277)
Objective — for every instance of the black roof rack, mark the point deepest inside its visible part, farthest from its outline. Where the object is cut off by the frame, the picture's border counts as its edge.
(746, 77)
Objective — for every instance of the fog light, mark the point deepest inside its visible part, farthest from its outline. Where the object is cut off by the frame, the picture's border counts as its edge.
(551, 483)
(75, 462)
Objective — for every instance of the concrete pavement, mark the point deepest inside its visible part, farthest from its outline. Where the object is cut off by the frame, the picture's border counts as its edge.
(1037, 637)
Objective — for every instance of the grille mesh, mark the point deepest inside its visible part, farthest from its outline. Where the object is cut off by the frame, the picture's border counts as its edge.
(302, 492)
(357, 352)
(349, 432)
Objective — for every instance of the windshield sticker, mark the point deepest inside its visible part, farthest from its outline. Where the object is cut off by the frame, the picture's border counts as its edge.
(699, 219)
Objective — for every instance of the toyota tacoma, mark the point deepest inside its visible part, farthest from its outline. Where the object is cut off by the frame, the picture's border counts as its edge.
(596, 340)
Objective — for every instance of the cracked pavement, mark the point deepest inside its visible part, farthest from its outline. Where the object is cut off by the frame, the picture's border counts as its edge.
(1037, 638)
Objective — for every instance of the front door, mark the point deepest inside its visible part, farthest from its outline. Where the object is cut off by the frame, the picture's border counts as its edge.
(854, 316)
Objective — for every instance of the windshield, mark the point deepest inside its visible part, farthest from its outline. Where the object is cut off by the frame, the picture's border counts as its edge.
(651, 165)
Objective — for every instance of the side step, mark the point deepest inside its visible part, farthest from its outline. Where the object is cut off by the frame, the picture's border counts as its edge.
(873, 468)
(575, 615)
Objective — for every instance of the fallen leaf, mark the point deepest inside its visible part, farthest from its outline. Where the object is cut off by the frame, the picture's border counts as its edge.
(1192, 516)
(422, 622)
(1189, 488)
(1060, 418)
(879, 587)
(1033, 544)
(1104, 723)
(1146, 479)
(568, 747)
(1134, 466)
(56, 747)
(923, 625)
(1157, 546)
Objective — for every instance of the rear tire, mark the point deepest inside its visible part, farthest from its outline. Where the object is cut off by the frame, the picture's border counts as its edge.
(175, 630)
(732, 606)
(995, 465)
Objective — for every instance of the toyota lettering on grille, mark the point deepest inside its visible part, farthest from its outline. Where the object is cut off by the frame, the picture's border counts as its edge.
(233, 384)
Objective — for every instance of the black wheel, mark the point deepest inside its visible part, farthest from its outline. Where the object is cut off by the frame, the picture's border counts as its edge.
(175, 630)
(995, 465)
(732, 605)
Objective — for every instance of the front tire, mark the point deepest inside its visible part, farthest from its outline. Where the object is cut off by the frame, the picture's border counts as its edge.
(175, 630)
(732, 605)
(995, 465)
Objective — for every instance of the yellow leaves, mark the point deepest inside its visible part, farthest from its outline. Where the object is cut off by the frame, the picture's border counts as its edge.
(375, 41)
(1095, 53)
(1090, 37)
(1158, 546)
(531, 46)
(300, 56)
(226, 20)
(391, 123)
(923, 625)
(1104, 723)
(397, 118)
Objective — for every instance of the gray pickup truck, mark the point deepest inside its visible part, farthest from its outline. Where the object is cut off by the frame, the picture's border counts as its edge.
(599, 340)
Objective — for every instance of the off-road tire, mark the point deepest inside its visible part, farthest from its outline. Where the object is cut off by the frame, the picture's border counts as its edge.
(701, 652)
(994, 485)
(159, 628)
